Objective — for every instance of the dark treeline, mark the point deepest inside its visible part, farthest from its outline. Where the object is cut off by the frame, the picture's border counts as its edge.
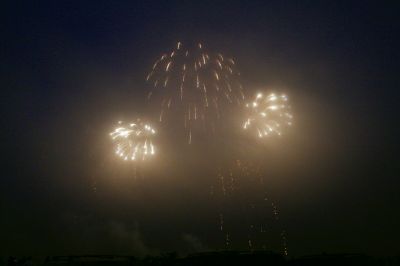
(206, 258)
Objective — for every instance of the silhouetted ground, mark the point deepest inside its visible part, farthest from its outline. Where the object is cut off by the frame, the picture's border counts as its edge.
(206, 258)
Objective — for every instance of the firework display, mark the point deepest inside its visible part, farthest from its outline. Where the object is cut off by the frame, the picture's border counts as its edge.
(269, 115)
(133, 141)
(196, 89)
(196, 83)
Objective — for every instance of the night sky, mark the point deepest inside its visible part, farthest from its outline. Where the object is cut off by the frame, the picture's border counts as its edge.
(71, 69)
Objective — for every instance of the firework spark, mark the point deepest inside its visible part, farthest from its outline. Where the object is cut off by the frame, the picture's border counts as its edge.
(195, 82)
(133, 141)
(269, 115)
(241, 195)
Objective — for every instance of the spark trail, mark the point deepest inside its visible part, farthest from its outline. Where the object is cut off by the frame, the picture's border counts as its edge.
(197, 84)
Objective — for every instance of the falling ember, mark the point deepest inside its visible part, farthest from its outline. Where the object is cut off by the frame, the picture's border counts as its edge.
(241, 185)
(284, 242)
(250, 244)
(133, 141)
(168, 65)
(269, 115)
(191, 76)
(227, 240)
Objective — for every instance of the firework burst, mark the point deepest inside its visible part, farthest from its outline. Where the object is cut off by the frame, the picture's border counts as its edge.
(133, 141)
(269, 115)
(196, 83)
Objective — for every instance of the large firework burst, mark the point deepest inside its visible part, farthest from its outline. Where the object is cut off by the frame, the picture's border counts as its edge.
(133, 141)
(269, 115)
(196, 83)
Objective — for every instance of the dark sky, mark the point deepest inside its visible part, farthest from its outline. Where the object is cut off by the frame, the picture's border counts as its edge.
(70, 69)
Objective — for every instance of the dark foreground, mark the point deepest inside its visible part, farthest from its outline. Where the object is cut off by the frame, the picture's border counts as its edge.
(206, 258)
